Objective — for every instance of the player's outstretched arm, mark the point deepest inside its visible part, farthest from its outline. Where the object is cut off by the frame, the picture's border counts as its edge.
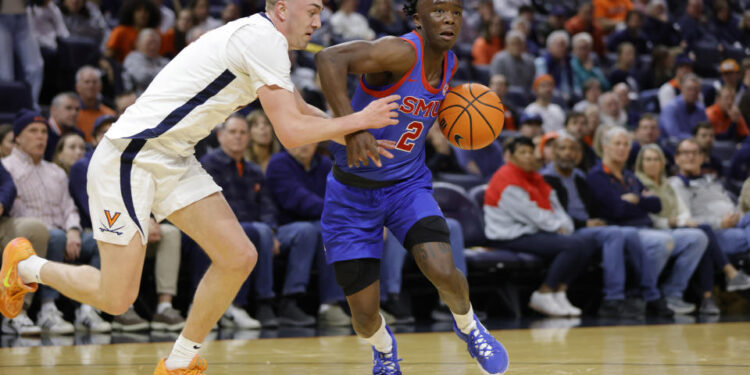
(386, 59)
(295, 128)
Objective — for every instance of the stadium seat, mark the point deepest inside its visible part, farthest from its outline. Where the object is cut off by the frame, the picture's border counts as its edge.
(724, 149)
(13, 96)
(482, 74)
(465, 181)
(454, 203)
(649, 100)
(476, 194)
(463, 51)
(463, 72)
(517, 97)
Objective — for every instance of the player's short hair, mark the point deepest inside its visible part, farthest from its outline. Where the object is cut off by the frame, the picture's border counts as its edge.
(270, 4)
(410, 7)
(517, 142)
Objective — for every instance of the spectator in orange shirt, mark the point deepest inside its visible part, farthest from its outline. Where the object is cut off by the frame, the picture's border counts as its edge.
(134, 16)
(583, 21)
(89, 89)
(610, 13)
(726, 117)
(490, 41)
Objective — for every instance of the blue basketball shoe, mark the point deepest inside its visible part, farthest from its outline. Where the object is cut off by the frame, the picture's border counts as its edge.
(490, 354)
(386, 363)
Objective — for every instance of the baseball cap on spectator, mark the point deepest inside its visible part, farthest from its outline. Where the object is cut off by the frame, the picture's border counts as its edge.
(683, 59)
(26, 117)
(729, 66)
(546, 138)
(531, 118)
(543, 78)
(102, 120)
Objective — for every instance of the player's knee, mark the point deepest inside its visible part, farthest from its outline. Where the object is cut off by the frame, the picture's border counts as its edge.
(119, 304)
(440, 274)
(244, 260)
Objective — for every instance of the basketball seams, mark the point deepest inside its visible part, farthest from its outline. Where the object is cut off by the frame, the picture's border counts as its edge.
(468, 106)
(476, 98)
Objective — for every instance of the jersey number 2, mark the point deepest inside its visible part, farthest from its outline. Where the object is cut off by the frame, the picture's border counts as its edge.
(413, 131)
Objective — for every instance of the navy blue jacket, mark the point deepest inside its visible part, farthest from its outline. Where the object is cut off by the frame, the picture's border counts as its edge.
(7, 190)
(247, 192)
(298, 193)
(77, 187)
(607, 190)
(639, 40)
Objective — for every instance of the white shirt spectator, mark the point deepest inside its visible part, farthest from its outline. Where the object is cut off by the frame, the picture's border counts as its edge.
(509, 8)
(47, 24)
(351, 26)
(553, 116)
(167, 19)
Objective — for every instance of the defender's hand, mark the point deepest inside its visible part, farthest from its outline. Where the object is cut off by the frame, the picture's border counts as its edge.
(380, 113)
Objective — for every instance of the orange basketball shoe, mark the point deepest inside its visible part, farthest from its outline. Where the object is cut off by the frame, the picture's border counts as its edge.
(196, 367)
(12, 288)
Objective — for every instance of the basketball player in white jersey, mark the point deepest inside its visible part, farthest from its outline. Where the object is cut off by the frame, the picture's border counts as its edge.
(145, 165)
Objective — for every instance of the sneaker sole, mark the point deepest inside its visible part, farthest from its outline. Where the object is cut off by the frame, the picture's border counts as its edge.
(160, 326)
(10, 331)
(12, 289)
(295, 323)
(737, 288)
(540, 310)
(83, 328)
(130, 327)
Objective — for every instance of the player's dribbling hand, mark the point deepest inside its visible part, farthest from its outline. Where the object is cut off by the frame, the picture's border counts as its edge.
(382, 112)
(362, 146)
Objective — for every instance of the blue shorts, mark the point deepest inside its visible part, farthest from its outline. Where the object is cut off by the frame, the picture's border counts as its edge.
(353, 218)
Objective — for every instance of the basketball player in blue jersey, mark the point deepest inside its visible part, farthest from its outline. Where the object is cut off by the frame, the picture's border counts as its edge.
(145, 165)
(396, 191)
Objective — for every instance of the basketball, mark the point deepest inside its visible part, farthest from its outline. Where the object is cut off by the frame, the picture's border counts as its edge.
(471, 116)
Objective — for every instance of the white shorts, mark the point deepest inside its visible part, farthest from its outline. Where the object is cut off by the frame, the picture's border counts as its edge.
(129, 179)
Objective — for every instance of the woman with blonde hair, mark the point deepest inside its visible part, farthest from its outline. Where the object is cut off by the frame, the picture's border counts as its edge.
(650, 170)
(263, 141)
(69, 149)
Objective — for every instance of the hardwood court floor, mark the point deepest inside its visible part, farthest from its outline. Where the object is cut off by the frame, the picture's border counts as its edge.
(704, 349)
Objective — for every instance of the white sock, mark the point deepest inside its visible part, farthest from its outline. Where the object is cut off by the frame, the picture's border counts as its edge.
(381, 340)
(163, 306)
(465, 322)
(182, 353)
(30, 269)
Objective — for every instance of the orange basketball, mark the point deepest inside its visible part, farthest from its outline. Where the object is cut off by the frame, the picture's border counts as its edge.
(471, 116)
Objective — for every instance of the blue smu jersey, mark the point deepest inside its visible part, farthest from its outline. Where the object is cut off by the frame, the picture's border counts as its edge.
(418, 110)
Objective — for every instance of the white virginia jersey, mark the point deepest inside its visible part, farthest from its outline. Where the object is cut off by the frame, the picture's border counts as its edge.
(205, 83)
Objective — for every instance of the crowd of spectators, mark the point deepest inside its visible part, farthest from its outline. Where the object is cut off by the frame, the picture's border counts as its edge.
(625, 140)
